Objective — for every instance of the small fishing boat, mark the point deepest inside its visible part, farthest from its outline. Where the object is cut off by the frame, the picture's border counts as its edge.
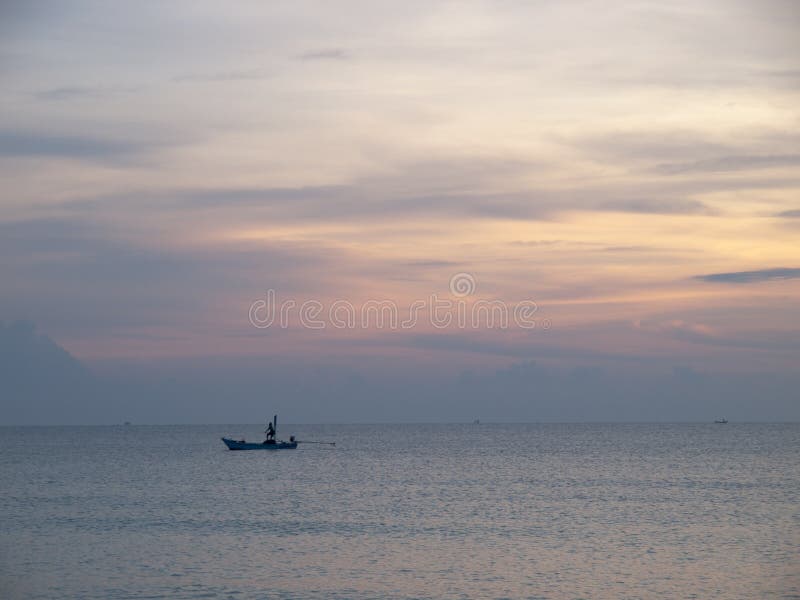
(270, 443)
(265, 445)
(723, 420)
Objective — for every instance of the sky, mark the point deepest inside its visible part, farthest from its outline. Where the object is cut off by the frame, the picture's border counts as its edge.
(604, 201)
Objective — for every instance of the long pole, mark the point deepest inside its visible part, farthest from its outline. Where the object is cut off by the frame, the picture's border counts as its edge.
(306, 442)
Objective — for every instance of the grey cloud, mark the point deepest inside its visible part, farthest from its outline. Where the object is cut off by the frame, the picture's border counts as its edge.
(255, 197)
(40, 382)
(325, 54)
(647, 145)
(537, 243)
(698, 333)
(630, 249)
(309, 391)
(658, 207)
(334, 203)
(789, 214)
(685, 152)
(787, 343)
(789, 78)
(66, 93)
(593, 246)
(43, 384)
(751, 276)
(102, 282)
(529, 348)
(676, 186)
(432, 263)
(730, 163)
(451, 188)
(34, 144)
(223, 76)
(376, 200)
(19, 341)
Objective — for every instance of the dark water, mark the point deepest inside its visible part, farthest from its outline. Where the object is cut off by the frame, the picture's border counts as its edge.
(436, 511)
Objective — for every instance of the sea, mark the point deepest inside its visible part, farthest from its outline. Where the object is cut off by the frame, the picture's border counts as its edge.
(545, 511)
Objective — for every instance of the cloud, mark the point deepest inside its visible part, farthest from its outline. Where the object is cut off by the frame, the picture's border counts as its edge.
(630, 249)
(380, 390)
(20, 345)
(540, 345)
(433, 263)
(352, 203)
(783, 77)
(658, 207)
(104, 282)
(647, 145)
(789, 214)
(783, 341)
(66, 93)
(455, 188)
(40, 381)
(223, 76)
(751, 276)
(325, 54)
(30, 144)
(730, 163)
(537, 243)
(678, 329)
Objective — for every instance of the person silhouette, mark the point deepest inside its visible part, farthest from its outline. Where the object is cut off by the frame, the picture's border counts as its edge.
(270, 433)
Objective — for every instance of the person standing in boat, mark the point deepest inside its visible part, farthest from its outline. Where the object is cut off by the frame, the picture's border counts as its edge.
(270, 431)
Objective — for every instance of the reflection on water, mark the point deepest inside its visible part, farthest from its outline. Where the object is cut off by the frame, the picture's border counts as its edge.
(439, 511)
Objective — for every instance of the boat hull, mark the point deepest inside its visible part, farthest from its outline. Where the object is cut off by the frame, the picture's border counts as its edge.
(242, 445)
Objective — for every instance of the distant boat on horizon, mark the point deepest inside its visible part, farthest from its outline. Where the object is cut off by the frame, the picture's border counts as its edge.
(723, 420)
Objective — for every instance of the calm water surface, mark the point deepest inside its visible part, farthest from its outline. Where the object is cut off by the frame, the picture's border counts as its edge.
(400, 511)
